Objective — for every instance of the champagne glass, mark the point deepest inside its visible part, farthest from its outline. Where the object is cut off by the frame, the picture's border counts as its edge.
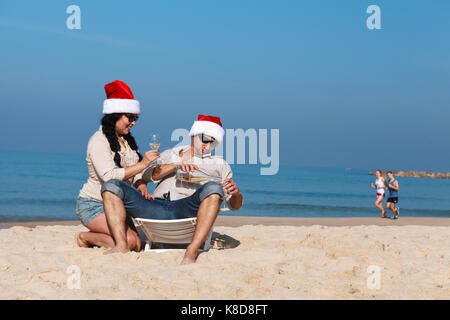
(154, 142)
(224, 207)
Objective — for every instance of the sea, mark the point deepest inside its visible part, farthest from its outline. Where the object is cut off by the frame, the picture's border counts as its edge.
(44, 187)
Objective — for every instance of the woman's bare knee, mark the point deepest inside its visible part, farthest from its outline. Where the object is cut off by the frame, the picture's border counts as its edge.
(99, 224)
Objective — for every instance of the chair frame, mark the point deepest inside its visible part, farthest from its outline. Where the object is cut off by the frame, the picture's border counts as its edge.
(176, 231)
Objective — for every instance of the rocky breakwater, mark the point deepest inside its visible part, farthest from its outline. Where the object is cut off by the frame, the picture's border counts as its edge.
(419, 174)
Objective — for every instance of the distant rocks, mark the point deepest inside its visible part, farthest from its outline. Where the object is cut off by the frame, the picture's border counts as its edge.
(419, 174)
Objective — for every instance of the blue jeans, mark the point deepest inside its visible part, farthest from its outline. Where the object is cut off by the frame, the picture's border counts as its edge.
(161, 209)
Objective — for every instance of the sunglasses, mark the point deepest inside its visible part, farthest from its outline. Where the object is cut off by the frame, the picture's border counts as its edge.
(132, 117)
(206, 139)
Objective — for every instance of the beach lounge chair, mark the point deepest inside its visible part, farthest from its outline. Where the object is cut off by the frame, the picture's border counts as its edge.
(178, 231)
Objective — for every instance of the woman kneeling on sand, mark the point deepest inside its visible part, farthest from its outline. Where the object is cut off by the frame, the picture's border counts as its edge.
(112, 153)
(380, 186)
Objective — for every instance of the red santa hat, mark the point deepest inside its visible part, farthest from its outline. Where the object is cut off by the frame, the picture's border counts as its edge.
(120, 99)
(208, 125)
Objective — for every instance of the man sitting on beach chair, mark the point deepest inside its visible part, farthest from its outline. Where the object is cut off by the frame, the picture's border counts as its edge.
(189, 185)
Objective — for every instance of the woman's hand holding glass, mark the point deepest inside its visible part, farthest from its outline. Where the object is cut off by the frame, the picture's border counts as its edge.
(149, 157)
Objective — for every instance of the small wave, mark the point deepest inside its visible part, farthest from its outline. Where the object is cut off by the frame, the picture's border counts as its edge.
(305, 207)
(25, 218)
(44, 202)
(307, 194)
(62, 177)
(301, 209)
(319, 194)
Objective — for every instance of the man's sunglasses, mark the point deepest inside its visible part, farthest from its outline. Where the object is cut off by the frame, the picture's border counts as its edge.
(206, 139)
(132, 117)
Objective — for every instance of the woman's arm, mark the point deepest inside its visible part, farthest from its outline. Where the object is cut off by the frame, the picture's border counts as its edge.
(141, 185)
(106, 169)
(146, 161)
(133, 170)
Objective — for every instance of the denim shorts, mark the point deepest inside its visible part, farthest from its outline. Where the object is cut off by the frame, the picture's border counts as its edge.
(87, 209)
(162, 209)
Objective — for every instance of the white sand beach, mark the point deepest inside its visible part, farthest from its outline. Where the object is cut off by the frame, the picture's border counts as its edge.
(307, 260)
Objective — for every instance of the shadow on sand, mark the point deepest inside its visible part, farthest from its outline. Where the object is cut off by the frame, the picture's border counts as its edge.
(222, 241)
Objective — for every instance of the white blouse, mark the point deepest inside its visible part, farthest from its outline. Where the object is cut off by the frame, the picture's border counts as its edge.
(101, 165)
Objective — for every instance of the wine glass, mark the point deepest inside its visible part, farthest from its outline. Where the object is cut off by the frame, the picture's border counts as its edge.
(154, 142)
(224, 207)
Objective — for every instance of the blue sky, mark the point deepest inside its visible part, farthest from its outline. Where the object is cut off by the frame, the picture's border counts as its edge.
(341, 95)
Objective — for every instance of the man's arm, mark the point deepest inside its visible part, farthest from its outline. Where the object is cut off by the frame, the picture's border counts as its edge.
(160, 171)
(396, 187)
(163, 170)
(236, 201)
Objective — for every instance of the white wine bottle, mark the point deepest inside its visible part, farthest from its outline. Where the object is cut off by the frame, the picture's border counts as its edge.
(196, 176)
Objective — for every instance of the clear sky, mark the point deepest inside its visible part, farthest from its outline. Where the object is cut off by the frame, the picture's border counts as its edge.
(342, 95)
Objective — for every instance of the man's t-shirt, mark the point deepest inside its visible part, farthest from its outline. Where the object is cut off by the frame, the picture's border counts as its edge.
(177, 189)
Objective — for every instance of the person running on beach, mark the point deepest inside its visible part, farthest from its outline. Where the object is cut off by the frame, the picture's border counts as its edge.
(380, 186)
(393, 188)
(175, 198)
(112, 153)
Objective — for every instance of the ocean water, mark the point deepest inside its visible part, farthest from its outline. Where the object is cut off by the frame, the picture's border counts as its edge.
(42, 186)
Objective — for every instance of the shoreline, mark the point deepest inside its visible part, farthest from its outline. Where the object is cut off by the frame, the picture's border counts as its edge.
(237, 221)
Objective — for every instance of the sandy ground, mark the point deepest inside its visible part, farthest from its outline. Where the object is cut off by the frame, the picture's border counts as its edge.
(262, 260)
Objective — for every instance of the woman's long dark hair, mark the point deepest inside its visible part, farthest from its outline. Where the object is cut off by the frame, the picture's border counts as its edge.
(109, 130)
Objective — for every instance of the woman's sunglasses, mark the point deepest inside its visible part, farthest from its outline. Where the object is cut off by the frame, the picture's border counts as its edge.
(132, 117)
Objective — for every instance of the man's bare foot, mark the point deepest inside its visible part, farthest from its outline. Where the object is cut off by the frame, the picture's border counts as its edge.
(189, 256)
(117, 249)
(80, 241)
